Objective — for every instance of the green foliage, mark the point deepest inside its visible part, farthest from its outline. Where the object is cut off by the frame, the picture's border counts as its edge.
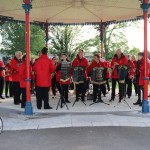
(115, 38)
(67, 40)
(13, 35)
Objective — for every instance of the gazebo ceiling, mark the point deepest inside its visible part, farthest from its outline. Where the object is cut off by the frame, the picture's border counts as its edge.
(73, 11)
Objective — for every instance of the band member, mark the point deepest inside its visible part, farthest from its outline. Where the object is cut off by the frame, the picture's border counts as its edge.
(140, 78)
(55, 62)
(15, 64)
(81, 61)
(108, 74)
(129, 77)
(118, 60)
(22, 80)
(97, 89)
(133, 58)
(43, 68)
(8, 79)
(64, 84)
(2, 74)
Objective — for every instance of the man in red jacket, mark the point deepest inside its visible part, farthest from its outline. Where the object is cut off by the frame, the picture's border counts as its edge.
(15, 64)
(2, 67)
(133, 58)
(119, 59)
(129, 77)
(43, 68)
(97, 89)
(81, 61)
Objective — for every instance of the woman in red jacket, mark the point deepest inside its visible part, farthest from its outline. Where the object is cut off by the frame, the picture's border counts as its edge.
(129, 77)
(8, 79)
(119, 59)
(64, 84)
(22, 80)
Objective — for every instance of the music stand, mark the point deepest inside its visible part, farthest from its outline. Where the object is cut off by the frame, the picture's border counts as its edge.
(78, 100)
(60, 103)
(99, 101)
(124, 97)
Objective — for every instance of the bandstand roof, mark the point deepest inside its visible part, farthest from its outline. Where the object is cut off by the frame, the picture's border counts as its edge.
(73, 11)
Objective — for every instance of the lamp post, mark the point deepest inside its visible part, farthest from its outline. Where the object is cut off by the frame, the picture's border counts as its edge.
(46, 32)
(27, 6)
(101, 38)
(145, 105)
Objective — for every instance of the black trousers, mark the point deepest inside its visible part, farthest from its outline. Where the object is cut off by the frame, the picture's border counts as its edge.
(42, 94)
(58, 87)
(16, 92)
(80, 89)
(8, 87)
(23, 93)
(140, 93)
(97, 89)
(135, 87)
(107, 84)
(121, 89)
(128, 87)
(103, 89)
(1, 85)
(64, 92)
(54, 85)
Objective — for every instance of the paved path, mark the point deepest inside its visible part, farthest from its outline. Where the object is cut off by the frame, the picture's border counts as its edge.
(97, 138)
(77, 116)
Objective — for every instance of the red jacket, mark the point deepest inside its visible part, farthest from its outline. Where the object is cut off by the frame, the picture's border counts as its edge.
(22, 74)
(122, 61)
(81, 62)
(8, 72)
(1, 69)
(142, 69)
(15, 64)
(108, 66)
(131, 69)
(95, 64)
(43, 68)
(58, 75)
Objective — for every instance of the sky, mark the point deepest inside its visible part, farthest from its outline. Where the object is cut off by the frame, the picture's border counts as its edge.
(134, 35)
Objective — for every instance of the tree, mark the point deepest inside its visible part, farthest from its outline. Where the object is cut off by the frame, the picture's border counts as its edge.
(114, 38)
(13, 35)
(66, 39)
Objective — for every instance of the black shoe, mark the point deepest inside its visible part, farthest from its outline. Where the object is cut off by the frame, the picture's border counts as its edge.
(137, 103)
(39, 108)
(22, 106)
(120, 100)
(100, 101)
(129, 96)
(140, 104)
(68, 102)
(83, 100)
(148, 95)
(112, 99)
(2, 97)
(7, 96)
(49, 107)
(16, 103)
